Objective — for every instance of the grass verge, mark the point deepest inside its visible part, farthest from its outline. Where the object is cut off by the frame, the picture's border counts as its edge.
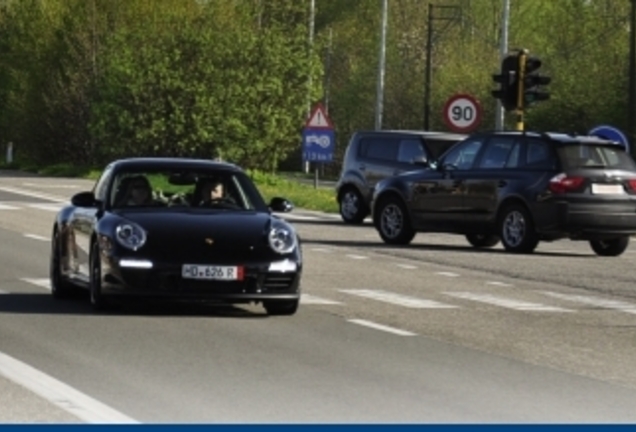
(302, 195)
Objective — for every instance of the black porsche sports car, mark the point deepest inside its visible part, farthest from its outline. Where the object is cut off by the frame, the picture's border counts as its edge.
(174, 228)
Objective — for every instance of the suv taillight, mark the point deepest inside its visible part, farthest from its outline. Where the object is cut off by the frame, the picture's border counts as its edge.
(632, 185)
(563, 183)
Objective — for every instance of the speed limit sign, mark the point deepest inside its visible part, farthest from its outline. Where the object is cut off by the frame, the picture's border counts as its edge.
(462, 113)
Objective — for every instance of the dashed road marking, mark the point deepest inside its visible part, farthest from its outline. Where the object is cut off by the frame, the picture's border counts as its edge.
(382, 327)
(596, 301)
(449, 274)
(41, 282)
(398, 299)
(59, 393)
(323, 250)
(48, 207)
(33, 194)
(309, 299)
(8, 207)
(497, 283)
(3, 292)
(407, 266)
(36, 237)
(358, 257)
(53, 186)
(507, 303)
(298, 217)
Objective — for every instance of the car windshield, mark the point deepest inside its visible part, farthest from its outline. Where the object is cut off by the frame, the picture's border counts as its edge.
(157, 189)
(595, 156)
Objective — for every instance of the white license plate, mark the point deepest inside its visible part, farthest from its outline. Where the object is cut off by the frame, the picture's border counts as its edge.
(607, 189)
(211, 272)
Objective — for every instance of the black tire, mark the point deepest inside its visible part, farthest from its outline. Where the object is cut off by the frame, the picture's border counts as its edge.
(352, 207)
(516, 229)
(60, 287)
(613, 247)
(281, 307)
(97, 299)
(482, 240)
(393, 223)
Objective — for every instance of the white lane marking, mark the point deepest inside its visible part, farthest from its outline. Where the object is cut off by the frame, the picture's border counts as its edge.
(449, 274)
(41, 282)
(298, 217)
(377, 326)
(596, 301)
(47, 207)
(310, 299)
(358, 257)
(60, 394)
(8, 207)
(3, 292)
(53, 186)
(407, 266)
(34, 194)
(497, 283)
(507, 303)
(398, 299)
(36, 237)
(324, 250)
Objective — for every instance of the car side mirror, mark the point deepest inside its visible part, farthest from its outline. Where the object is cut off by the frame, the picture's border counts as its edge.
(420, 160)
(279, 204)
(83, 199)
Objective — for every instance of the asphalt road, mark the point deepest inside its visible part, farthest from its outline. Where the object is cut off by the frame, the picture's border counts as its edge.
(433, 332)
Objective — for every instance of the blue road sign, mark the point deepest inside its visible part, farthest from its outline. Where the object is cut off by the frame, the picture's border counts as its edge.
(318, 145)
(610, 133)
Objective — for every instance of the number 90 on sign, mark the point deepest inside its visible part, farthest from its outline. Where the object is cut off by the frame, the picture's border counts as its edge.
(462, 113)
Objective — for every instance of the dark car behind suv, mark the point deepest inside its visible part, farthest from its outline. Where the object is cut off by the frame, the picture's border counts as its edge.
(518, 188)
(372, 156)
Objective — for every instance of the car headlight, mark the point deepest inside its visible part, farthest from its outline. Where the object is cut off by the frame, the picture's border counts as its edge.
(130, 235)
(282, 240)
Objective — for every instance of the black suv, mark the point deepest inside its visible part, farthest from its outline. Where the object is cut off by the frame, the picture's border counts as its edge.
(518, 188)
(372, 156)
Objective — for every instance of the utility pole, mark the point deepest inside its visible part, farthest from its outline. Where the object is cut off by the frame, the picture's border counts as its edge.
(631, 112)
(503, 51)
(312, 18)
(381, 66)
(452, 13)
(429, 66)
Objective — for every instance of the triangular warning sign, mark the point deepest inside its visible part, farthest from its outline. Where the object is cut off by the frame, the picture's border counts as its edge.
(319, 118)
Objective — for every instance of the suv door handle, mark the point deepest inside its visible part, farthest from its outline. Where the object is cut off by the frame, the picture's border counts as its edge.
(397, 171)
(502, 183)
(362, 167)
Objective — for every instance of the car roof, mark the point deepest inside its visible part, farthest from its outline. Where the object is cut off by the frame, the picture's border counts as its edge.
(559, 137)
(436, 134)
(172, 162)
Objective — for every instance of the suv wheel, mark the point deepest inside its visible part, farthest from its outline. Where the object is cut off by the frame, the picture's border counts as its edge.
(613, 247)
(516, 229)
(352, 207)
(393, 222)
(482, 240)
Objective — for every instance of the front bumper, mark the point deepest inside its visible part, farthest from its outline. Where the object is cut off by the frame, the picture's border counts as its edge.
(143, 278)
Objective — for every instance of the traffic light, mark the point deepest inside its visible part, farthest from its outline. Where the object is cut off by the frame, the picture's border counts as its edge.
(508, 82)
(533, 81)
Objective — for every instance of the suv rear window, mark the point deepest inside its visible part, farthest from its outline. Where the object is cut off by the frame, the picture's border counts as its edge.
(595, 156)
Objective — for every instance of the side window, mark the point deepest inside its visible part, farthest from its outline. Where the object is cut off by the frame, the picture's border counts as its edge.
(379, 149)
(463, 156)
(410, 150)
(501, 152)
(538, 155)
(438, 146)
(101, 186)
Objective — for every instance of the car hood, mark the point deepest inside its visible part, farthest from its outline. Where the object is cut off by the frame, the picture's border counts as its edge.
(189, 235)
